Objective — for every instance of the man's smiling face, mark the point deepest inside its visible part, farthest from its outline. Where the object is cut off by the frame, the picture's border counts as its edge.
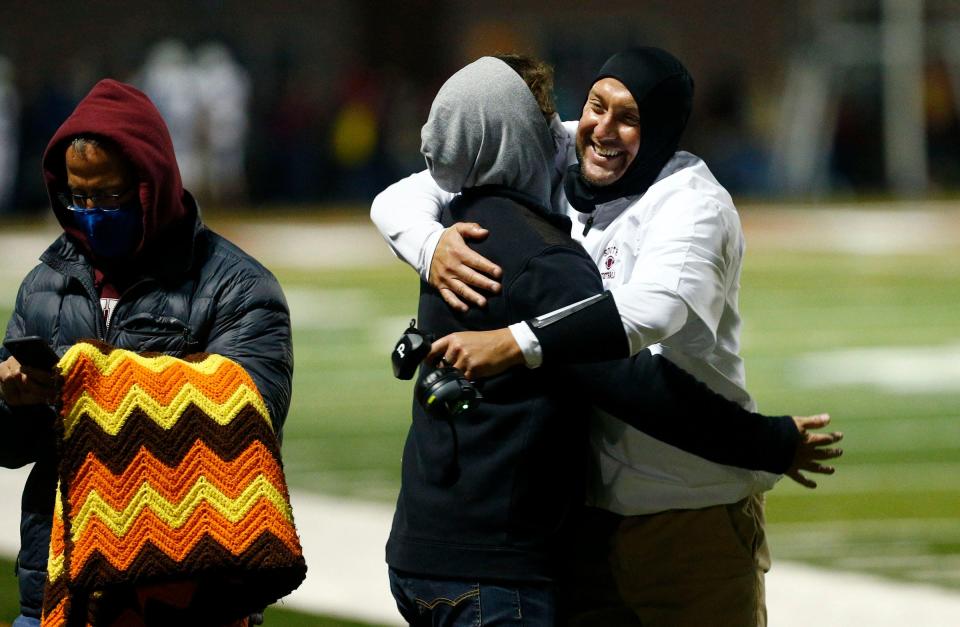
(608, 135)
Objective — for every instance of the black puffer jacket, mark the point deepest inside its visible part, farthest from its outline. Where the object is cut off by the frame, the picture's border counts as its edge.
(187, 290)
(220, 301)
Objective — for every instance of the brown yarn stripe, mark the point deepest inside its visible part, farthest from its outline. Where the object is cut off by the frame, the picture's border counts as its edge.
(269, 568)
(168, 446)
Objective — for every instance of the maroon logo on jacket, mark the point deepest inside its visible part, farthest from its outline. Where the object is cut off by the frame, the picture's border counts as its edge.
(611, 254)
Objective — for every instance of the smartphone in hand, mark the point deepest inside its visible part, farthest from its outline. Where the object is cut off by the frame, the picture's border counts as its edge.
(32, 351)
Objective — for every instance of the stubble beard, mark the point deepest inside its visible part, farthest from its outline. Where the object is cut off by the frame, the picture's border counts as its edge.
(586, 178)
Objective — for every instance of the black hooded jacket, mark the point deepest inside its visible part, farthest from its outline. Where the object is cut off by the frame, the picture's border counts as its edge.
(187, 290)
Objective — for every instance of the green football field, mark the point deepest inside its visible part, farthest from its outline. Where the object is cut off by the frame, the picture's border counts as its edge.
(874, 339)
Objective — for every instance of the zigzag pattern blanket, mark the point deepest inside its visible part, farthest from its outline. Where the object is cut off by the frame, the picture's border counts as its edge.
(170, 471)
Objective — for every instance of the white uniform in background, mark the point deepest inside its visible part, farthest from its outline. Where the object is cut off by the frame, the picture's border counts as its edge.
(169, 78)
(672, 260)
(223, 92)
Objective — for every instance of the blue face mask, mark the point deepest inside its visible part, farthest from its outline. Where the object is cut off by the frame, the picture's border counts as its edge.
(113, 233)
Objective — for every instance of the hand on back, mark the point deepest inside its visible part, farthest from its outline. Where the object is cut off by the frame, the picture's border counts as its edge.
(458, 272)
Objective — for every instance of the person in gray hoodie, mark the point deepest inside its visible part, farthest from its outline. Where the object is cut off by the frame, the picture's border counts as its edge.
(485, 497)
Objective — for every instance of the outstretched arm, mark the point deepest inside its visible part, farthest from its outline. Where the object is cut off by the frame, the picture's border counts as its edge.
(688, 254)
(813, 449)
(588, 330)
(407, 215)
(652, 394)
(648, 391)
(659, 398)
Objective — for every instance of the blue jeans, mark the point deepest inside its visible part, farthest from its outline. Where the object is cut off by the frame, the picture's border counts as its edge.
(426, 602)
(25, 621)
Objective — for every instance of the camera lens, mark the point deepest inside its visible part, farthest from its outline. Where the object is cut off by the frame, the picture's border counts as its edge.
(445, 393)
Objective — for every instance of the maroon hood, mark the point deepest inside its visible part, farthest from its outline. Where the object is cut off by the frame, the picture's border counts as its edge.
(124, 115)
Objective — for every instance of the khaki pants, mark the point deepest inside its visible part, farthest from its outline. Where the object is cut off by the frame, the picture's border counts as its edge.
(672, 569)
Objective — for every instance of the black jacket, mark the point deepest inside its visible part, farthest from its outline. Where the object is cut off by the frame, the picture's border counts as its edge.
(486, 495)
(209, 297)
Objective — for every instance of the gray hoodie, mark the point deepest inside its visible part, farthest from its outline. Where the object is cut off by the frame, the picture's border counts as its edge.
(485, 128)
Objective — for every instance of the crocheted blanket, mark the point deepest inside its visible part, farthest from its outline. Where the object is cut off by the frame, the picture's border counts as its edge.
(169, 472)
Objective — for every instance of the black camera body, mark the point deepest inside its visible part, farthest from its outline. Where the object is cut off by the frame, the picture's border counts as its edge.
(443, 392)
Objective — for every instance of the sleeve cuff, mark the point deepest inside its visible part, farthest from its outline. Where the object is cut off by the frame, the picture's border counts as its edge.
(782, 443)
(427, 252)
(588, 330)
(528, 343)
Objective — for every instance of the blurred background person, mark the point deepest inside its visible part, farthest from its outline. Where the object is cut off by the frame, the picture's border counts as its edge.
(223, 99)
(170, 78)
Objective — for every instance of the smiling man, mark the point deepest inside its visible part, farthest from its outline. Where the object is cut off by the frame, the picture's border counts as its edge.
(681, 540)
(608, 135)
(670, 539)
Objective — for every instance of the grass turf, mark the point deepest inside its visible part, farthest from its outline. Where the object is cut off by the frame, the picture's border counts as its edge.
(275, 615)
(893, 509)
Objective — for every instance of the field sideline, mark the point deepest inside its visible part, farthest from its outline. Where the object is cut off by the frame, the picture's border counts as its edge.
(848, 310)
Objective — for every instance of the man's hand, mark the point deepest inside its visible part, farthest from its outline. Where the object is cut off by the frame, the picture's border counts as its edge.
(23, 385)
(478, 354)
(456, 269)
(812, 449)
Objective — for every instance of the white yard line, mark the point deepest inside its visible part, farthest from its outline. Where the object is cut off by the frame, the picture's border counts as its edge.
(879, 228)
(901, 369)
(308, 246)
(884, 229)
(800, 596)
(343, 542)
(876, 229)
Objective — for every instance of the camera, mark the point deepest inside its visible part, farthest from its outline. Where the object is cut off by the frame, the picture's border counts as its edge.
(443, 392)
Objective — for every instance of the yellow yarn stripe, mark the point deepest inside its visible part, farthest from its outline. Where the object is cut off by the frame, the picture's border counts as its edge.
(55, 562)
(108, 363)
(177, 514)
(165, 416)
(55, 567)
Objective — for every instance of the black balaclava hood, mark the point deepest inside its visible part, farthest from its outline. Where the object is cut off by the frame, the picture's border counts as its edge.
(663, 90)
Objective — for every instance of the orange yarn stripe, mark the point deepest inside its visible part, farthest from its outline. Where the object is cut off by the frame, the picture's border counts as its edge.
(57, 536)
(230, 477)
(58, 616)
(109, 391)
(177, 543)
(161, 500)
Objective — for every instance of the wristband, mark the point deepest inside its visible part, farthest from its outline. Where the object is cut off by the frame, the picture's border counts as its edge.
(589, 330)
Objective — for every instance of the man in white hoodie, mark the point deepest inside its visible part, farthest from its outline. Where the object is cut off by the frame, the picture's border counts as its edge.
(671, 538)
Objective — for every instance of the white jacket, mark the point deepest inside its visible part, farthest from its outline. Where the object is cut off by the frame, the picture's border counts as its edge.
(672, 258)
